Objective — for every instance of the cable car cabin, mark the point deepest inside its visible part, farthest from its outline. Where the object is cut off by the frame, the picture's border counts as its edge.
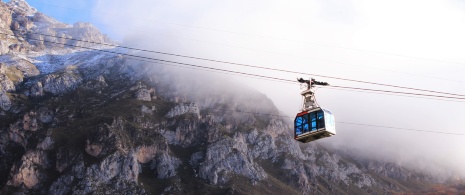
(314, 124)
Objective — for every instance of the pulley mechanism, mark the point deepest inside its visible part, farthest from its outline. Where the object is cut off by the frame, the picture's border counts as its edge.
(309, 101)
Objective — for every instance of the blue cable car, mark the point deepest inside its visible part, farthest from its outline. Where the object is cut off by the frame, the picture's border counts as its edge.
(313, 122)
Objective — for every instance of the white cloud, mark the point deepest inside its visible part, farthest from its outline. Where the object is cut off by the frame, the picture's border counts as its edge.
(223, 30)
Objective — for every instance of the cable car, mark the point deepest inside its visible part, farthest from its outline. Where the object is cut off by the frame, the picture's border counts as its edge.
(313, 122)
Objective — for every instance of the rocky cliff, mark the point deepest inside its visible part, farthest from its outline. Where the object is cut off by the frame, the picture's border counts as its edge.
(76, 121)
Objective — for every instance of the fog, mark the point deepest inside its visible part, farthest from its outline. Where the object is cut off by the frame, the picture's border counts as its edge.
(416, 44)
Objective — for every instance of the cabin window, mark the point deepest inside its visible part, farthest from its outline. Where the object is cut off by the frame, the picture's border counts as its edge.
(320, 119)
(316, 120)
(309, 122)
(299, 124)
(313, 120)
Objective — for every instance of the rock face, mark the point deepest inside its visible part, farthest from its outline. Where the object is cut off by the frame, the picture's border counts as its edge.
(36, 90)
(57, 84)
(84, 122)
(226, 157)
(21, 6)
(20, 19)
(183, 109)
(29, 172)
(6, 84)
(5, 102)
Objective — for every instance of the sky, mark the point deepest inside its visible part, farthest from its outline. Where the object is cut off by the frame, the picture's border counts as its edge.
(410, 43)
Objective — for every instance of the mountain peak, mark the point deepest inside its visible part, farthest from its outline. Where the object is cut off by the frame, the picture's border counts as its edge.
(23, 6)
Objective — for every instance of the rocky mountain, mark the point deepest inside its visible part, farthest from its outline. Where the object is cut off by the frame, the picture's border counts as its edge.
(80, 121)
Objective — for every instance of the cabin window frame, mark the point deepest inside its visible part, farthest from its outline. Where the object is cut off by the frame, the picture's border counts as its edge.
(309, 122)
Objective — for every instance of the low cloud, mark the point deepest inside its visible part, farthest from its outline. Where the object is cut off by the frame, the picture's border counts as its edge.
(313, 37)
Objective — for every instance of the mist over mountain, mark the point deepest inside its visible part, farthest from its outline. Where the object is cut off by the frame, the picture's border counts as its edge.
(81, 121)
